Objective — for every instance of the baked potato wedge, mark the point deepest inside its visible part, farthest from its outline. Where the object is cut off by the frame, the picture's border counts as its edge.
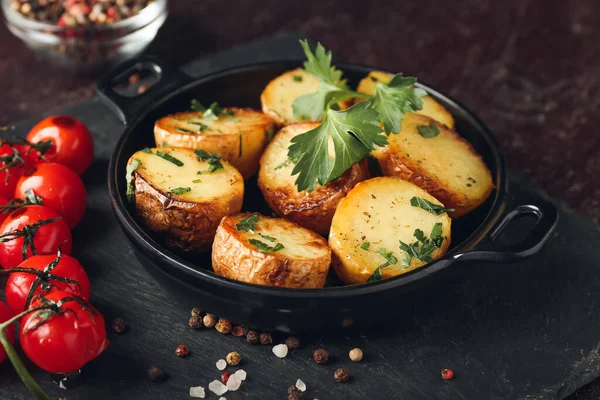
(431, 107)
(446, 165)
(270, 251)
(239, 136)
(279, 95)
(172, 198)
(369, 224)
(312, 210)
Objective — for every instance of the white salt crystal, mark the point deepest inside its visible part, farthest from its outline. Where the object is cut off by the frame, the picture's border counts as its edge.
(221, 365)
(280, 350)
(233, 383)
(241, 374)
(197, 392)
(301, 385)
(217, 387)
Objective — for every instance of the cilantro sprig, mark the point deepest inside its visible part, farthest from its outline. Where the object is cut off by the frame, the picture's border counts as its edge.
(356, 131)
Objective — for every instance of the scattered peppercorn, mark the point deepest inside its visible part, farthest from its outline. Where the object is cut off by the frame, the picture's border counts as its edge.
(225, 376)
(356, 354)
(321, 356)
(223, 326)
(196, 311)
(233, 358)
(196, 322)
(447, 374)
(292, 343)
(341, 375)
(156, 373)
(181, 351)
(252, 337)
(265, 338)
(209, 320)
(119, 325)
(237, 331)
(294, 393)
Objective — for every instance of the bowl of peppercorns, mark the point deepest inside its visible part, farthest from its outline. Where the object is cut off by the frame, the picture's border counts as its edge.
(85, 34)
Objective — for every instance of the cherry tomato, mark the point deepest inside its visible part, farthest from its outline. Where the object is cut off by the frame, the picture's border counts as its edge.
(3, 212)
(64, 339)
(19, 284)
(60, 189)
(71, 142)
(13, 163)
(46, 239)
(5, 315)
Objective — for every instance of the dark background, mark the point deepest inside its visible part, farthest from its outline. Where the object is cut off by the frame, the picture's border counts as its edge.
(529, 69)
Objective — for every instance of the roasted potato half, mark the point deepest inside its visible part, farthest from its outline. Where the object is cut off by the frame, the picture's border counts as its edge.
(312, 210)
(279, 95)
(239, 136)
(446, 165)
(172, 198)
(270, 251)
(431, 107)
(369, 223)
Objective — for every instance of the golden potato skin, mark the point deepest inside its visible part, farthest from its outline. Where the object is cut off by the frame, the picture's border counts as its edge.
(279, 95)
(312, 210)
(188, 223)
(431, 107)
(239, 138)
(446, 166)
(234, 257)
(378, 211)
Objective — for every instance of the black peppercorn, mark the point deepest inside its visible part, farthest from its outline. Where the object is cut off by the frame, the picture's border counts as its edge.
(252, 337)
(265, 338)
(292, 343)
(196, 322)
(181, 351)
(156, 373)
(118, 325)
(321, 356)
(294, 393)
(341, 375)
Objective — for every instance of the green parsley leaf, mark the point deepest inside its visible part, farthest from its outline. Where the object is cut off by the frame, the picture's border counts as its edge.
(185, 130)
(247, 224)
(354, 131)
(212, 112)
(196, 181)
(269, 238)
(319, 65)
(297, 78)
(365, 245)
(311, 105)
(429, 206)
(265, 248)
(388, 255)
(395, 98)
(283, 164)
(147, 150)
(135, 164)
(169, 158)
(181, 190)
(376, 275)
(423, 247)
(197, 106)
(430, 131)
(201, 127)
(213, 160)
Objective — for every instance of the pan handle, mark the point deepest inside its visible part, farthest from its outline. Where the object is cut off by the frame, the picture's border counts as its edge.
(128, 108)
(547, 218)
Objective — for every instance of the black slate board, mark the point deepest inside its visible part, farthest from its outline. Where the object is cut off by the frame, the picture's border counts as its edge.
(526, 331)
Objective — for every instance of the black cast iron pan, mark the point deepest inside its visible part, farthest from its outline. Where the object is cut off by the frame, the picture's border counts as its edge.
(294, 310)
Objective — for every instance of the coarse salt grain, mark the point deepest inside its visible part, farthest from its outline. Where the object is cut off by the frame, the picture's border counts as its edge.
(217, 387)
(280, 350)
(301, 385)
(221, 365)
(197, 392)
(241, 374)
(233, 383)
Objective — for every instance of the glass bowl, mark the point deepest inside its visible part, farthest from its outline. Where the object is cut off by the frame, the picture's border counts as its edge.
(93, 47)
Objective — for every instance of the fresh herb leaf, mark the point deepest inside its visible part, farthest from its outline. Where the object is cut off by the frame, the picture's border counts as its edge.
(147, 150)
(196, 181)
(388, 255)
(269, 238)
(185, 130)
(265, 248)
(422, 248)
(131, 167)
(376, 275)
(355, 132)
(212, 112)
(201, 127)
(283, 164)
(429, 206)
(365, 245)
(197, 106)
(169, 158)
(319, 65)
(213, 160)
(181, 190)
(297, 78)
(430, 131)
(247, 224)
(311, 105)
(395, 98)
(271, 133)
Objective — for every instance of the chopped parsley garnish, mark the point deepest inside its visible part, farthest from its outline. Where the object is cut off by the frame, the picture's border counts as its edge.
(265, 248)
(390, 260)
(201, 127)
(283, 164)
(365, 245)
(181, 190)
(429, 206)
(213, 112)
(271, 133)
(422, 248)
(147, 150)
(169, 158)
(247, 224)
(185, 130)
(196, 181)
(213, 160)
(269, 238)
(430, 131)
(135, 164)
(297, 78)
(197, 106)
